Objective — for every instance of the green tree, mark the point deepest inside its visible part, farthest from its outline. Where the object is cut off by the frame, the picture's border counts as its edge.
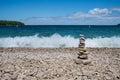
(10, 23)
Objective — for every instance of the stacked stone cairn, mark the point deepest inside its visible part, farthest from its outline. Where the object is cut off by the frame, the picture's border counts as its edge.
(82, 50)
(82, 54)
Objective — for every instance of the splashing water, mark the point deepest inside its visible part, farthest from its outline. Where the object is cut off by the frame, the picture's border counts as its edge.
(56, 41)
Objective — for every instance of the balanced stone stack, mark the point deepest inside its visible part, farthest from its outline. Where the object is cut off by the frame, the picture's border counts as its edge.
(83, 54)
(82, 50)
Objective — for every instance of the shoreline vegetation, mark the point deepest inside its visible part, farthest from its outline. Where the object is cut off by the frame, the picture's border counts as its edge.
(10, 23)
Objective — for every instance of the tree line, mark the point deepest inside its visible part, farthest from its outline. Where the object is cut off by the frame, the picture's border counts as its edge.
(10, 23)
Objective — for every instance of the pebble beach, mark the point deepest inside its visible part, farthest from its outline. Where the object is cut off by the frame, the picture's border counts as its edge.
(58, 64)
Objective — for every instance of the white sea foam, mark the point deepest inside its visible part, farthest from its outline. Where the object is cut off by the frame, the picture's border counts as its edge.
(56, 41)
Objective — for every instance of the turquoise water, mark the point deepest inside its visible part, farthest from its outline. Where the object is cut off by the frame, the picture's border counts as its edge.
(59, 36)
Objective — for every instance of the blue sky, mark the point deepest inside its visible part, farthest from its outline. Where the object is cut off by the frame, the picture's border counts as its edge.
(61, 12)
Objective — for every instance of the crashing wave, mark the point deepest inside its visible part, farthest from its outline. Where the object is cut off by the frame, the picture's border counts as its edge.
(56, 41)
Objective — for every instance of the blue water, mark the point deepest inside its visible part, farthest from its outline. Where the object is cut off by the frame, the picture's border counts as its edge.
(45, 35)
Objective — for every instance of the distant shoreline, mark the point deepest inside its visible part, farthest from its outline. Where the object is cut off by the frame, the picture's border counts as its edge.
(70, 25)
(10, 23)
(63, 25)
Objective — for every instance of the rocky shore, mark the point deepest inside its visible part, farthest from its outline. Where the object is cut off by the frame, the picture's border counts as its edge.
(58, 64)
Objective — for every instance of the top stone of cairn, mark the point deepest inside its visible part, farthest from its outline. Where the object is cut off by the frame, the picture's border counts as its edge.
(82, 41)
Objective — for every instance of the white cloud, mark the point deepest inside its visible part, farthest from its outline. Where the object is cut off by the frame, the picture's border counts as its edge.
(98, 11)
(79, 15)
(94, 16)
(38, 20)
(116, 9)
